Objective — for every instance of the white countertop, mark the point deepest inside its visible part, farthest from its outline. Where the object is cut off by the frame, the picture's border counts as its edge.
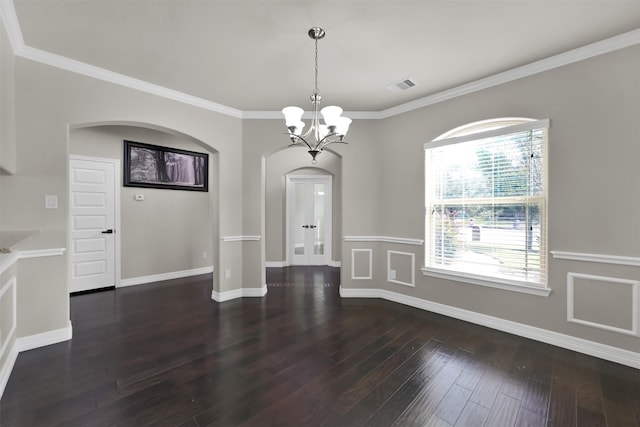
(18, 244)
(10, 240)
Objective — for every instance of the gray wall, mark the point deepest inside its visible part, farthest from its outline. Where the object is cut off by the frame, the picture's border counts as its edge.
(170, 229)
(266, 160)
(50, 102)
(278, 166)
(594, 202)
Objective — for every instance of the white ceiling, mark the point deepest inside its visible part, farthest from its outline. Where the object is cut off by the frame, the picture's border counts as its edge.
(255, 55)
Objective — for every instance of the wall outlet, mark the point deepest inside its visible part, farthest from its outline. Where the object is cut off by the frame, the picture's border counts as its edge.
(204, 255)
(227, 273)
(51, 201)
(392, 274)
(139, 197)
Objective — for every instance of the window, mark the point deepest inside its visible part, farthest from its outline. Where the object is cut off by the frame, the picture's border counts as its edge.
(486, 193)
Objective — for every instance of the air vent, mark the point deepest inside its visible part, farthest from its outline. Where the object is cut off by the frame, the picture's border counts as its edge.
(403, 84)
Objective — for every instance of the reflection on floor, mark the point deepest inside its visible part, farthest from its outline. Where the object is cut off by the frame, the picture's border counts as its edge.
(165, 354)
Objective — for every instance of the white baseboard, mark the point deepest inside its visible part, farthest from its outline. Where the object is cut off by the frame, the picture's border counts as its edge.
(276, 264)
(29, 343)
(286, 264)
(141, 280)
(239, 293)
(45, 338)
(602, 351)
(7, 367)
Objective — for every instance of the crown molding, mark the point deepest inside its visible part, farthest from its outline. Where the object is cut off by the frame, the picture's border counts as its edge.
(595, 49)
(621, 41)
(10, 19)
(277, 115)
(72, 65)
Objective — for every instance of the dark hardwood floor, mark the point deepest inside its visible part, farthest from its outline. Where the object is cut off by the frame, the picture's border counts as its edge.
(165, 354)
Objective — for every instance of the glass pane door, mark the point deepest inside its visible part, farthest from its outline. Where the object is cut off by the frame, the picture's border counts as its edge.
(318, 218)
(309, 219)
(300, 219)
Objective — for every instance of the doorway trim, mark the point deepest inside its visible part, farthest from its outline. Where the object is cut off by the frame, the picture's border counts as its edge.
(328, 244)
(116, 208)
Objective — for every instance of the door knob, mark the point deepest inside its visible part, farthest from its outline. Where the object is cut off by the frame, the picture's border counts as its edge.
(109, 231)
(305, 226)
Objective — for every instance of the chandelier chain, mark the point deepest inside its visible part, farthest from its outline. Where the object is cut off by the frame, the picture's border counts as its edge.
(316, 69)
(335, 127)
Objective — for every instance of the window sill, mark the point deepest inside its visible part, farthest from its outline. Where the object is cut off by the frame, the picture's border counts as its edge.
(508, 285)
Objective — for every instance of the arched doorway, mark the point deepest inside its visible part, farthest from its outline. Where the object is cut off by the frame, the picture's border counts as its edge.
(163, 233)
(296, 162)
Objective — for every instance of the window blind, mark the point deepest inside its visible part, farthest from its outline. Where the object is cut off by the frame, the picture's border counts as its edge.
(486, 205)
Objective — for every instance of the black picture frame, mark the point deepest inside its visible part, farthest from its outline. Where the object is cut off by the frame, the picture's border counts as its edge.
(155, 166)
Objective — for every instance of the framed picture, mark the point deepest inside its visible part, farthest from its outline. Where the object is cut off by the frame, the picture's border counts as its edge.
(153, 166)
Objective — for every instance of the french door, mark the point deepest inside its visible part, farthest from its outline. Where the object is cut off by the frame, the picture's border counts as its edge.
(309, 227)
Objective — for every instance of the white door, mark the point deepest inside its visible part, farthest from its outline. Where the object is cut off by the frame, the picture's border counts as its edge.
(309, 229)
(92, 187)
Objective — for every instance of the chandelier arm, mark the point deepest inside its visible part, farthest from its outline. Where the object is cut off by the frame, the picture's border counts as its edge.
(307, 133)
(326, 141)
(299, 138)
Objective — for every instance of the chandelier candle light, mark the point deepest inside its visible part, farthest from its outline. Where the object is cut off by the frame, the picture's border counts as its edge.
(335, 126)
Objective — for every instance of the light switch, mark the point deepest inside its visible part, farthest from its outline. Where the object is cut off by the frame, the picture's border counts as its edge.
(50, 201)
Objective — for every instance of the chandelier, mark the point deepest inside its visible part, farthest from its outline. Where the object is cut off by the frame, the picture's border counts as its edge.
(335, 126)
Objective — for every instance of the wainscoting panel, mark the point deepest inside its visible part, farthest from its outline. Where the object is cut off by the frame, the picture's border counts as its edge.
(401, 268)
(608, 303)
(8, 316)
(361, 264)
(8, 323)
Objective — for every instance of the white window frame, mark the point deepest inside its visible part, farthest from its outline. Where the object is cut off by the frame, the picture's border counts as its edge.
(476, 131)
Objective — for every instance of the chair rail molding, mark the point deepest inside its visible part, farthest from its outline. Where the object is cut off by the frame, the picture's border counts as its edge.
(600, 258)
(385, 239)
(240, 238)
